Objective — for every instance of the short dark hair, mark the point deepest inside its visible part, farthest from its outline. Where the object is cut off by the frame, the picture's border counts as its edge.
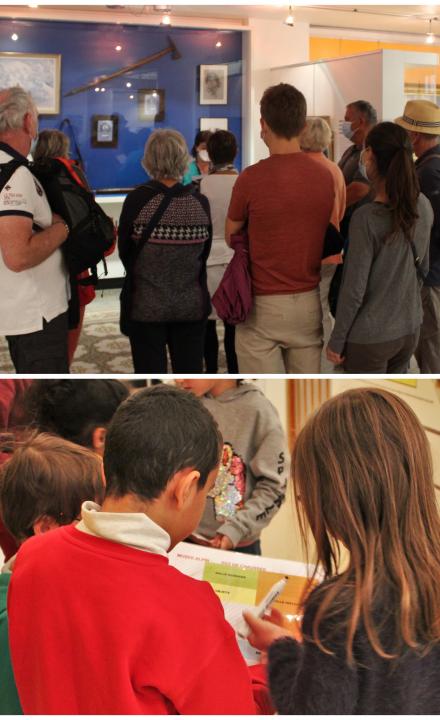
(47, 475)
(154, 434)
(201, 137)
(366, 109)
(73, 408)
(222, 147)
(284, 109)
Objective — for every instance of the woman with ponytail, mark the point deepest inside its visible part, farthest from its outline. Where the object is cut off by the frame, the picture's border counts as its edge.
(379, 309)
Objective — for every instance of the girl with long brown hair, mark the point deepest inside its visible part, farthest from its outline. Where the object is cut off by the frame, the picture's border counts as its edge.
(379, 310)
(363, 479)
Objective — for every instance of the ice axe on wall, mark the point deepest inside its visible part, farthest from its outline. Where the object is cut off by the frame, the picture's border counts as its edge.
(175, 55)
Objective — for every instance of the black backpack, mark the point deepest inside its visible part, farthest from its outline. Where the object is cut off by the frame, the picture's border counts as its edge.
(92, 232)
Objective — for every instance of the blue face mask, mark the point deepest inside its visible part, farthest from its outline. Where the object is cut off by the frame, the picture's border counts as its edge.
(346, 130)
(33, 145)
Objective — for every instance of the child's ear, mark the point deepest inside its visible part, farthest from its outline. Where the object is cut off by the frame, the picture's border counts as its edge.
(98, 439)
(44, 524)
(185, 486)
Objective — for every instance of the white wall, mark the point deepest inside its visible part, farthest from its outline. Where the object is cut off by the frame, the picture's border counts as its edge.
(281, 538)
(330, 85)
(267, 43)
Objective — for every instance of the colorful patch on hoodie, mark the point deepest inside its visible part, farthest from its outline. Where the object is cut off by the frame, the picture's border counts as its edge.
(229, 489)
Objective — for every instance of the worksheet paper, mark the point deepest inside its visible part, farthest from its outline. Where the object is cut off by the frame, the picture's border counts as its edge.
(241, 581)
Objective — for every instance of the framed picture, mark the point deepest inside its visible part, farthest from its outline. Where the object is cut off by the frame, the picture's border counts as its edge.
(38, 74)
(213, 124)
(104, 131)
(213, 84)
(151, 105)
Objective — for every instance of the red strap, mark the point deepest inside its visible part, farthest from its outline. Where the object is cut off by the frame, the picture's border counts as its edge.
(68, 164)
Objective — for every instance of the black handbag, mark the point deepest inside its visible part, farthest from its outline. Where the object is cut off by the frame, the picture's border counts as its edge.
(126, 295)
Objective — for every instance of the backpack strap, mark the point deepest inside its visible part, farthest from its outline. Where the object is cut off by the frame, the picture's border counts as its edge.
(72, 171)
(8, 169)
(151, 226)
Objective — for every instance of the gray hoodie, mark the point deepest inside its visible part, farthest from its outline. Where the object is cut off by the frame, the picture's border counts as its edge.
(251, 484)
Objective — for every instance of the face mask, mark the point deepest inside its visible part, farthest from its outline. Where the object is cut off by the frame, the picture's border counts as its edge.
(346, 130)
(34, 142)
(203, 155)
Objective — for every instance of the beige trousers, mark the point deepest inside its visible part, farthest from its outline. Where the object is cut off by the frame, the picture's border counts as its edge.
(282, 334)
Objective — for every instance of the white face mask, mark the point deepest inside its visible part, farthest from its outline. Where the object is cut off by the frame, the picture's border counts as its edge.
(203, 155)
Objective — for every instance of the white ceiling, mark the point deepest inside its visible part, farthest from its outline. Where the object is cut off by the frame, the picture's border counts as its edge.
(386, 18)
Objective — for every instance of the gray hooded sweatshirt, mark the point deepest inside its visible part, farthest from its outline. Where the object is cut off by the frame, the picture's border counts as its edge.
(251, 485)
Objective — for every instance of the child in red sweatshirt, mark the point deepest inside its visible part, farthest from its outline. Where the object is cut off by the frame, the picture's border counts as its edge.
(113, 629)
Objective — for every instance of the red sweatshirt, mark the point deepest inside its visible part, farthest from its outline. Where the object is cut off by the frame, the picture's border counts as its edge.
(97, 627)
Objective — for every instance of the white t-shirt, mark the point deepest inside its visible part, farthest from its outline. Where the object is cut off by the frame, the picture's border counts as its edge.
(218, 189)
(41, 292)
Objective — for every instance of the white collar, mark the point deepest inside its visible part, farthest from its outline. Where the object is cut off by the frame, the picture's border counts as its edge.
(135, 530)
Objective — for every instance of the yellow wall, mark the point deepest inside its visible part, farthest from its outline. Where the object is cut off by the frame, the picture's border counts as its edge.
(325, 48)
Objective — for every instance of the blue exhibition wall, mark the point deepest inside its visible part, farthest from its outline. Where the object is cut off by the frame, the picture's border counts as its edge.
(88, 51)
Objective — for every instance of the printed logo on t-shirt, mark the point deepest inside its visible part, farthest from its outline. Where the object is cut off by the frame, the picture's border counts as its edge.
(229, 489)
(39, 188)
(12, 199)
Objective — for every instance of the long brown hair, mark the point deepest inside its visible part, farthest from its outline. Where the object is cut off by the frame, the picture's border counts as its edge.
(392, 152)
(362, 474)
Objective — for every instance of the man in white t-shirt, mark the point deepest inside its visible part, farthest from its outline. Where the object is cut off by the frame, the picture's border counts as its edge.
(33, 276)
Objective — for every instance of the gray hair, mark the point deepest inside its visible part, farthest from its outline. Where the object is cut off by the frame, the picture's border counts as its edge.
(166, 155)
(365, 109)
(14, 104)
(316, 135)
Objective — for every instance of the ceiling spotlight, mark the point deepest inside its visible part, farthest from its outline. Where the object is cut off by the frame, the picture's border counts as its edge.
(131, 97)
(154, 93)
(128, 84)
(118, 48)
(102, 89)
(14, 37)
(430, 38)
(97, 89)
(33, 5)
(290, 19)
(218, 43)
(165, 11)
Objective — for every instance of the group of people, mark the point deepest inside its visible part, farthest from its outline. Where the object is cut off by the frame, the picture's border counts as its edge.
(175, 231)
(93, 619)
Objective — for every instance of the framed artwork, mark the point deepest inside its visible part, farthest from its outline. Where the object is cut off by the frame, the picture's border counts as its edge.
(104, 131)
(213, 124)
(213, 84)
(38, 74)
(151, 105)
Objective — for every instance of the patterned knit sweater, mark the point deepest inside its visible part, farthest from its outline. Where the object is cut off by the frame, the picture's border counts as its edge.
(169, 275)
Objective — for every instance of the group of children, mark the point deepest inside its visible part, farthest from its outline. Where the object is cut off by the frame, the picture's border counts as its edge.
(99, 622)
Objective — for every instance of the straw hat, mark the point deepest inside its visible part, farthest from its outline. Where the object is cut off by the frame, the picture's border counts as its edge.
(420, 116)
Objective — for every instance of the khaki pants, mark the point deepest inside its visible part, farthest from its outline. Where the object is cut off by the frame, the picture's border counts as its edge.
(282, 334)
(428, 349)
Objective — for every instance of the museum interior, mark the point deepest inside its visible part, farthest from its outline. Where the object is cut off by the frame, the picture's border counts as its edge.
(108, 75)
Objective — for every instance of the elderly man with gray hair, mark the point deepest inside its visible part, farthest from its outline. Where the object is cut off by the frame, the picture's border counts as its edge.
(33, 276)
(165, 236)
(421, 119)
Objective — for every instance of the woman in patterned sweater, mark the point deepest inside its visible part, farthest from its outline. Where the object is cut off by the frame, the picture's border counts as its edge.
(165, 235)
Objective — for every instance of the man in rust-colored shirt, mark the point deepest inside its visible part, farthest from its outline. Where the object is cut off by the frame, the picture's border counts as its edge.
(286, 201)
